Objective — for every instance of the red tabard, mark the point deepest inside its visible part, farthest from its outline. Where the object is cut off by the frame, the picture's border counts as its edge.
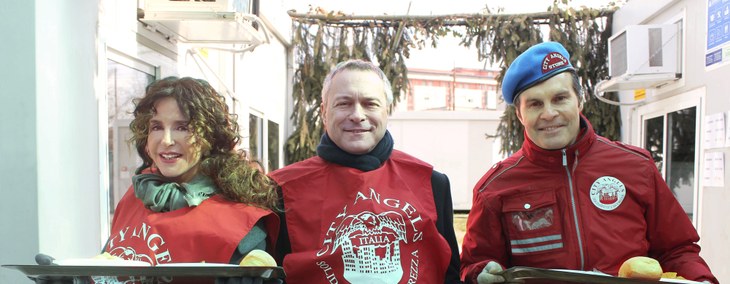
(349, 226)
(209, 232)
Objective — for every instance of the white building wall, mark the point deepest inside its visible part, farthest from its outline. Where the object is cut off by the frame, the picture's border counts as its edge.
(453, 142)
(50, 136)
(713, 224)
(19, 220)
(261, 78)
(67, 128)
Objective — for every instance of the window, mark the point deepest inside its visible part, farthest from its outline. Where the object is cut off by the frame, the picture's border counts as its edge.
(491, 99)
(256, 137)
(273, 154)
(428, 97)
(468, 98)
(126, 80)
(263, 141)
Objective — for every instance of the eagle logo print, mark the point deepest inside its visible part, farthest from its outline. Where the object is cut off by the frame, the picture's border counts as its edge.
(371, 246)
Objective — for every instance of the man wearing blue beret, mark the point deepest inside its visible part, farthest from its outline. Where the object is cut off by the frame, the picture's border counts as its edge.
(570, 199)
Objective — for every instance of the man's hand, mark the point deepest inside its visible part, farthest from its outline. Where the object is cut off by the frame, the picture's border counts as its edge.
(488, 275)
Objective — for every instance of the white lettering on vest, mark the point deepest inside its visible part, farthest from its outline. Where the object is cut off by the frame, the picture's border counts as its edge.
(154, 246)
(122, 233)
(417, 236)
(380, 224)
(407, 208)
(414, 220)
(163, 257)
(395, 203)
(344, 212)
(328, 240)
(413, 275)
(374, 240)
(144, 235)
(325, 247)
(328, 272)
(373, 195)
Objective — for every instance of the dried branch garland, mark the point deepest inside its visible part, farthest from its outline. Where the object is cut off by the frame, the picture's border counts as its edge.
(322, 39)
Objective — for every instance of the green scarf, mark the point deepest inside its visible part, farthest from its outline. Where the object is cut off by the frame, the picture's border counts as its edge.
(160, 195)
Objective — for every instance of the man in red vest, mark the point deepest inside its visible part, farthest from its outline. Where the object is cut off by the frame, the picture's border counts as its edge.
(360, 211)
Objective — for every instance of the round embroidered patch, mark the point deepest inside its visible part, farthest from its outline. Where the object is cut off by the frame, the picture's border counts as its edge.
(552, 61)
(607, 193)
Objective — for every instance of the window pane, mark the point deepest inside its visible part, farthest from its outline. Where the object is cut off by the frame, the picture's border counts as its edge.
(654, 139)
(273, 145)
(255, 140)
(681, 155)
(124, 84)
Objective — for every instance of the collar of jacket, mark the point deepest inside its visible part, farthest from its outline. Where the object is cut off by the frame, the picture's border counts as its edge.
(554, 158)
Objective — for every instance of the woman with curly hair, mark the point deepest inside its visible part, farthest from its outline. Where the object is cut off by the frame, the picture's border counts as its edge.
(195, 198)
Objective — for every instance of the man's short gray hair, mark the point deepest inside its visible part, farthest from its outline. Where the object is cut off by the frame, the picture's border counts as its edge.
(361, 65)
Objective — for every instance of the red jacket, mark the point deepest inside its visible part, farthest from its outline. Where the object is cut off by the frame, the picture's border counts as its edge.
(590, 206)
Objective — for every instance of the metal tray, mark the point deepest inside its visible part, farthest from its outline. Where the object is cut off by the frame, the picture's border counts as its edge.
(521, 274)
(273, 272)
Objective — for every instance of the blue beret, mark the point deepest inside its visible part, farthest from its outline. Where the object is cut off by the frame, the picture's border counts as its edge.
(538, 63)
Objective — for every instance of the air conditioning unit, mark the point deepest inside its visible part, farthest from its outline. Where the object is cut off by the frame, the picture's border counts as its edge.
(642, 56)
(213, 23)
(240, 6)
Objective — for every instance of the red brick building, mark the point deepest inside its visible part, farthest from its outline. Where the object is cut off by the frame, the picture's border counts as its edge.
(457, 89)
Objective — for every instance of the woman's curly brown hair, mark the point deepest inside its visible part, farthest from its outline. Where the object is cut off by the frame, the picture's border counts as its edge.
(216, 133)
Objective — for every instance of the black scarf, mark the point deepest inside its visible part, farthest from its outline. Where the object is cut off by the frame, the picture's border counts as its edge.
(329, 151)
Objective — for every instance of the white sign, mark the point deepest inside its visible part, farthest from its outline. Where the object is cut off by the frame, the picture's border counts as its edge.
(714, 171)
(727, 131)
(715, 131)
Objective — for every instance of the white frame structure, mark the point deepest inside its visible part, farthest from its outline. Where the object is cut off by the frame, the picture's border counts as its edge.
(693, 98)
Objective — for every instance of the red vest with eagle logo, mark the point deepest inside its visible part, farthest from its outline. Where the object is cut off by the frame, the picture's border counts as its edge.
(207, 233)
(350, 226)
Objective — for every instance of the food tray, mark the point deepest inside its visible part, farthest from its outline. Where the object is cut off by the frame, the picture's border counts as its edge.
(521, 274)
(178, 270)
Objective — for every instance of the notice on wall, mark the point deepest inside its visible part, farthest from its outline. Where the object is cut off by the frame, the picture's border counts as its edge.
(715, 131)
(717, 51)
(727, 130)
(714, 171)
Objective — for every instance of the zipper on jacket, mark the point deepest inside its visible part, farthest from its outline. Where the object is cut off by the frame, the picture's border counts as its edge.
(575, 211)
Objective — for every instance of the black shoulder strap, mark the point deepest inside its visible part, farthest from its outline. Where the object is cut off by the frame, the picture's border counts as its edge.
(441, 189)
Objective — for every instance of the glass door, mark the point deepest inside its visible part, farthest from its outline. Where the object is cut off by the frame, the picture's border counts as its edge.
(669, 131)
(126, 81)
(263, 141)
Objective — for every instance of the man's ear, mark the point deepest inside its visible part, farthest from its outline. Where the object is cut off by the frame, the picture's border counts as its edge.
(580, 105)
(518, 114)
(323, 112)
